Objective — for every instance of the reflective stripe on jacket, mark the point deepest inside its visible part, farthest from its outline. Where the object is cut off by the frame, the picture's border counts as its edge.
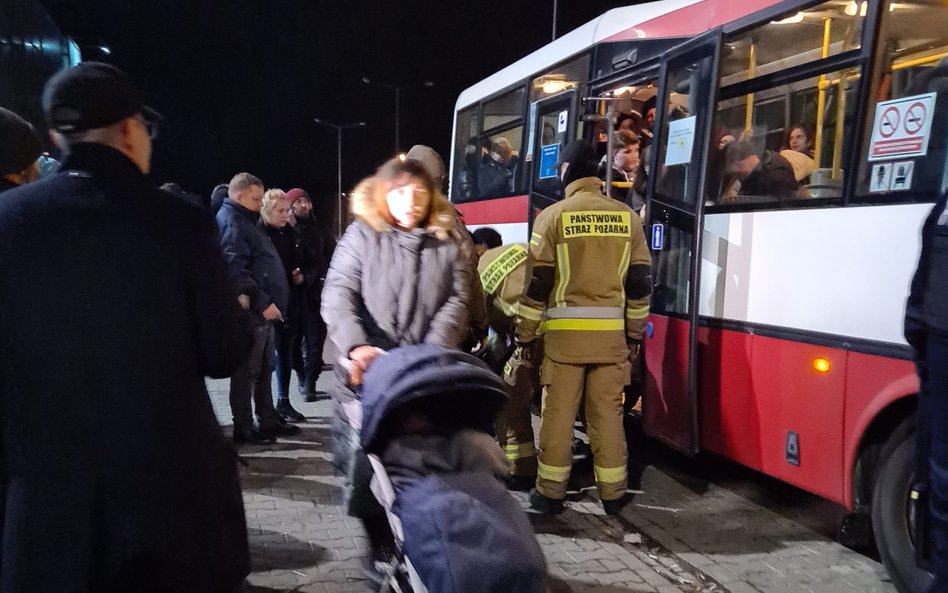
(503, 274)
(590, 277)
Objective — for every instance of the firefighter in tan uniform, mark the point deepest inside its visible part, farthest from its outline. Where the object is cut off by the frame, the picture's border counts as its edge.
(589, 286)
(503, 274)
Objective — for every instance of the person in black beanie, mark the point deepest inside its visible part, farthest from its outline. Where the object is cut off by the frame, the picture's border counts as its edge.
(20, 149)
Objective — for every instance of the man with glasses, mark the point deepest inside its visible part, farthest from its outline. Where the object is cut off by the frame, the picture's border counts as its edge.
(114, 472)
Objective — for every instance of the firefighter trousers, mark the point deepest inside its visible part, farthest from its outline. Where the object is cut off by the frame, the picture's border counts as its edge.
(514, 424)
(598, 387)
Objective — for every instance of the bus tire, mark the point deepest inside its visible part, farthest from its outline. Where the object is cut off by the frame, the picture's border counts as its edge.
(890, 513)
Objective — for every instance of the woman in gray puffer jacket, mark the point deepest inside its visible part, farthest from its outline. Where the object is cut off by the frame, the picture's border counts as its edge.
(397, 277)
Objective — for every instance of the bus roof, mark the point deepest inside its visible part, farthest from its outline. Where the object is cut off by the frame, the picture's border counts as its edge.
(599, 29)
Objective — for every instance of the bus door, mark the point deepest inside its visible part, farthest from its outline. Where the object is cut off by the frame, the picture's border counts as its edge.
(552, 126)
(676, 178)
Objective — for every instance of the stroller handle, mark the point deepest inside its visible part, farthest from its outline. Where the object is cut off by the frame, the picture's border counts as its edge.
(349, 373)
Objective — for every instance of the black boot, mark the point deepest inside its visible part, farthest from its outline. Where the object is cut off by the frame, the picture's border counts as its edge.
(544, 505)
(310, 394)
(287, 412)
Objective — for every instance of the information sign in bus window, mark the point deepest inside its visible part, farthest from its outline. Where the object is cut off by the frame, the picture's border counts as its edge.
(901, 127)
(549, 154)
(681, 141)
(905, 150)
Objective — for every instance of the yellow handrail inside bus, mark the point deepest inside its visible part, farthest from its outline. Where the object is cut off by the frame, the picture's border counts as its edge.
(821, 94)
(919, 61)
(751, 73)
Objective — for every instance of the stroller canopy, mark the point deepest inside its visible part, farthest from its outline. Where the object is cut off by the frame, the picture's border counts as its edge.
(409, 373)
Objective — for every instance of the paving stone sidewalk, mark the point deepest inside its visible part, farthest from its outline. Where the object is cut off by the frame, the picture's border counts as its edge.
(671, 539)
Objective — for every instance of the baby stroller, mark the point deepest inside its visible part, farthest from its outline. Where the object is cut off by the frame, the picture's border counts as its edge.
(426, 413)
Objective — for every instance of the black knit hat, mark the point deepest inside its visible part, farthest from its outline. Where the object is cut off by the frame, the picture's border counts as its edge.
(20, 145)
(91, 95)
(582, 160)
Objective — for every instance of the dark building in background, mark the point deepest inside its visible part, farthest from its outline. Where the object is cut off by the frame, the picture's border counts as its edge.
(32, 48)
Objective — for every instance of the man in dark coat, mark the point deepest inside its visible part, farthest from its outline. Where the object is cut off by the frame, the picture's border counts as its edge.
(20, 147)
(114, 473)
(317, 253)
(766, 175)
(255, 268)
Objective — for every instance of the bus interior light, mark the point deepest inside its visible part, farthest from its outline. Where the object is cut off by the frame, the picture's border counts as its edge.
(821, 365)
(856, 7)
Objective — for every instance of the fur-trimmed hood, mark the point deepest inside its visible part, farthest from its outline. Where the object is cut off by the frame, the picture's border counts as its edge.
(365, 205)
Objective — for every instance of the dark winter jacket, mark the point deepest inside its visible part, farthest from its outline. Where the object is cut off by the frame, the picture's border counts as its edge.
(252, 260)
(114, 472)
(387, 287)
(317, 247)
(773, 178)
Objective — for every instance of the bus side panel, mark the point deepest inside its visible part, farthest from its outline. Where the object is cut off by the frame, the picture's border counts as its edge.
(872, 384)
(765, 406)
(500, 210)
(664, 405)
(729, 421)
(507, 216)
(794, 398)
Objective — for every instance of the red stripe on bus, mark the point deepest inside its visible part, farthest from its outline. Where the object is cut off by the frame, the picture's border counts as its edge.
(694, 19)
(499, 211)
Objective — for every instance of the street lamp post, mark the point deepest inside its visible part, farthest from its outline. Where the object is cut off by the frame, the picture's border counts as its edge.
(339, 128)
(397, 88)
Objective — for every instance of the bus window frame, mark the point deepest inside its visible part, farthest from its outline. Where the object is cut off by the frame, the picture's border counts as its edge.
(482, 133)
(864, 58)
(870, 84)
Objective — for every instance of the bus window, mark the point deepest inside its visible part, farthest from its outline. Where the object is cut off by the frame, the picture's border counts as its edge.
(498, 172)
(503, 110)
(783, 143)
(466, 156)
(904, 153)
(824, 30)
(556, 80)
(488, 164)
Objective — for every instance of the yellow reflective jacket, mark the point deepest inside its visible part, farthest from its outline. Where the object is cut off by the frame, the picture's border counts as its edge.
(503, 273)
(590, 278)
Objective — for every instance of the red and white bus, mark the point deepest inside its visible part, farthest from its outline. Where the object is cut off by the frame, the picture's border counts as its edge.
(775, 332)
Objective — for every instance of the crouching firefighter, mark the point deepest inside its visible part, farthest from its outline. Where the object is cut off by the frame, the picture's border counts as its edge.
(590, 283)
(503, 274)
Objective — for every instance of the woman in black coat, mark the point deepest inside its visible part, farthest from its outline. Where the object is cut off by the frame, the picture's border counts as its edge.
(274, 220)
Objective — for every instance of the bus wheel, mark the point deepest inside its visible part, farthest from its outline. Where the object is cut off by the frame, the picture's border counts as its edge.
(891, 517)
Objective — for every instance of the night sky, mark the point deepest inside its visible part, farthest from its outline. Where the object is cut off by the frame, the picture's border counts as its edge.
(240, 81)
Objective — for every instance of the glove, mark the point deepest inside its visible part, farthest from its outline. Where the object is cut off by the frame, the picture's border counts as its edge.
(635, 348)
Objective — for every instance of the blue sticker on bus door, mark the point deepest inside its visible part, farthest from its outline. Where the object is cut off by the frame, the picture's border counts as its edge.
(658, 236)
(549, 154)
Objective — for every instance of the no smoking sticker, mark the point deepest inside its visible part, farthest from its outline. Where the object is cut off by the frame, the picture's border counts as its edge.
(901, 128)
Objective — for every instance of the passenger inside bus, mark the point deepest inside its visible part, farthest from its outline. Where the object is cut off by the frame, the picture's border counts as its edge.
(625, 167)
(757, 174)
(498, 170)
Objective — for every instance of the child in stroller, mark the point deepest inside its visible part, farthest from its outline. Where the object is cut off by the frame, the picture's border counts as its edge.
(426, 416)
